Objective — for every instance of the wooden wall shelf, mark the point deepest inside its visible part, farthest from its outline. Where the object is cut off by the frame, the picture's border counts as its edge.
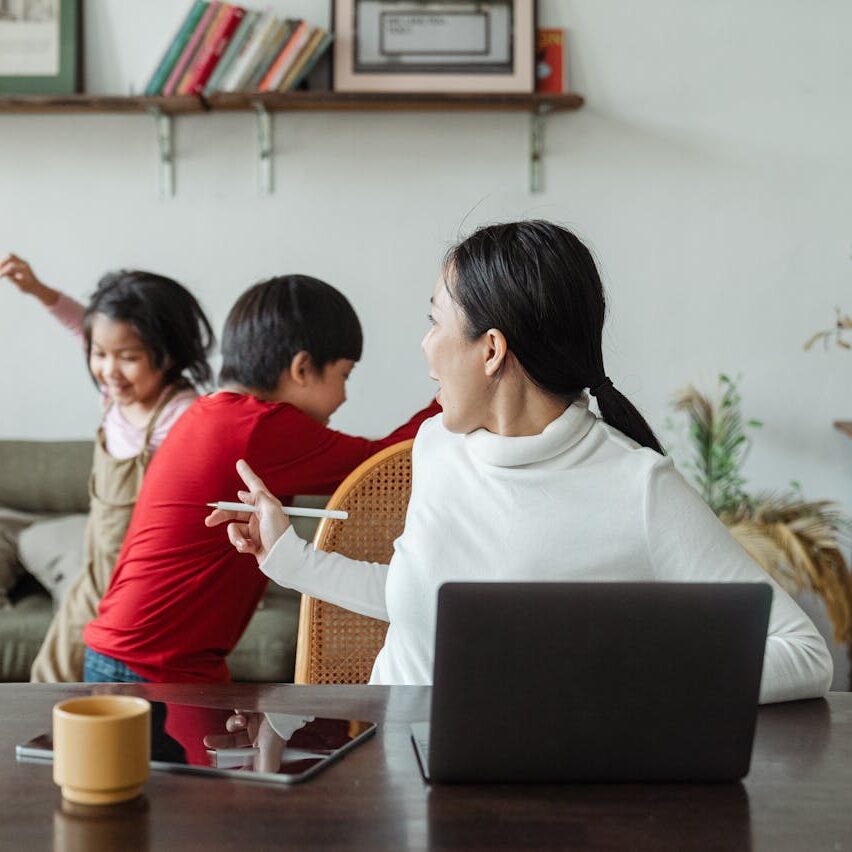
(58, 104)
(366, 102)
(289, 101)
(165, 108)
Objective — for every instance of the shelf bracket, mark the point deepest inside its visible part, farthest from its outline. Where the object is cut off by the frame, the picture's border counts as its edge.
(165, 140)
(264, 149)
(537, 147)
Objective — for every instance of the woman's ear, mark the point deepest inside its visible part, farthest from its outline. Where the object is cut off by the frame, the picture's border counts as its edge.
(301, 368)
(496, 351)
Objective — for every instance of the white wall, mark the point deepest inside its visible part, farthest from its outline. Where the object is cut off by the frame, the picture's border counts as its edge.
(709, 171)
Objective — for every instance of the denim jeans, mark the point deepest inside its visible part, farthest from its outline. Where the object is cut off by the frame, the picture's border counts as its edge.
(98, 668)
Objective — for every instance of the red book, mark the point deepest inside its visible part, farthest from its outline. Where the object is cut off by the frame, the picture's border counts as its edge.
(211, 50)
(191, 49)
(550, 61)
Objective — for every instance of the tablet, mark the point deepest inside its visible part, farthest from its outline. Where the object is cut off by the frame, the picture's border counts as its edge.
(276, 747)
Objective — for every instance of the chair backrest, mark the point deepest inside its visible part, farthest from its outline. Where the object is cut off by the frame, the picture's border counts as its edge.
(335, 645)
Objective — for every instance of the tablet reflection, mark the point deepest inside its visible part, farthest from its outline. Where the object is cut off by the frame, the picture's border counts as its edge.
(101, 828)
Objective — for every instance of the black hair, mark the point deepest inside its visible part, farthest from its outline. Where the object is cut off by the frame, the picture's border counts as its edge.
(166, 316)
(278, 318)
(537, 283)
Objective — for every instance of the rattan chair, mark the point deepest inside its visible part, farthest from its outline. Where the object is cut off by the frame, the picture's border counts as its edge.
(335, 645)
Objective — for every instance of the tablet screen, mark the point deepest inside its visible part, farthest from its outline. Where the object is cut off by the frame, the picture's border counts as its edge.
(277, 747)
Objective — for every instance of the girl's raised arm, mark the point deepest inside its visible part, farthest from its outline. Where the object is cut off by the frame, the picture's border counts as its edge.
(64, 308)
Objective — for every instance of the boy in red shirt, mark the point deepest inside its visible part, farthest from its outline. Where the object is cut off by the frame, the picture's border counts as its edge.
(180, 595)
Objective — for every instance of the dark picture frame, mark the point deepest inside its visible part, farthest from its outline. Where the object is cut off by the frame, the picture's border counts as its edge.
(70, 46)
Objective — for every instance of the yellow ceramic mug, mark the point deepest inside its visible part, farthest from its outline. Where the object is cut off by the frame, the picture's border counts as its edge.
(101, 748)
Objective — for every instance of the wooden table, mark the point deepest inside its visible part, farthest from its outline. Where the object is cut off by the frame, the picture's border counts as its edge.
(798, 795)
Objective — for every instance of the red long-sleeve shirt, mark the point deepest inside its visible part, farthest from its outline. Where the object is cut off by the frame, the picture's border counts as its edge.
(180, 595)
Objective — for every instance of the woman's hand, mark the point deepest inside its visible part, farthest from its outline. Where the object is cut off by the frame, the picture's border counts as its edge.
(20, 273)
(254, 532)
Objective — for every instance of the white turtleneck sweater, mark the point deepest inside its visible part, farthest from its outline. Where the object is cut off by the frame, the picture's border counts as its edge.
(579, 502)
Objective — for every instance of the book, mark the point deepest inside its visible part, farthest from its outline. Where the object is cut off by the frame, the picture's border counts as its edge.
(180, 88)
(549, 61)
(191, 48)
(309, 62)
(176, 45)
(227, 83)
(277, 39)
(286, 58)
(214, 46)
(243, 65)
(232, 51)
(305, 53)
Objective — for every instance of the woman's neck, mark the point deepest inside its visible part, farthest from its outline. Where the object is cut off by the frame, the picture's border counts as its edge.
(519, 408)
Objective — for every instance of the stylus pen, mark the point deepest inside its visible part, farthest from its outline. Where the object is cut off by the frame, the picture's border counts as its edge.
(248, 751)
(294, 511)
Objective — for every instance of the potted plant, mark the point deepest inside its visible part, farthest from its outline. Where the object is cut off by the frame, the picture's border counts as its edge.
(842, 323)
(797, 541)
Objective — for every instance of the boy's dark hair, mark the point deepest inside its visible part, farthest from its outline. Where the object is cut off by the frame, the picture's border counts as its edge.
(537, 283)
(274, 320)
(165, 315)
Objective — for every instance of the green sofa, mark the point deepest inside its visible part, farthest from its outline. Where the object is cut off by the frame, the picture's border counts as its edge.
(50, 479)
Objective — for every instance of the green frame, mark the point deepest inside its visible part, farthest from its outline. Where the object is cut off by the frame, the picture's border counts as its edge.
(67, 81)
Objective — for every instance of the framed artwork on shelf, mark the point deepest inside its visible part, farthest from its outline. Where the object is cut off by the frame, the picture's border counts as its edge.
(434, 46)
(40, 47)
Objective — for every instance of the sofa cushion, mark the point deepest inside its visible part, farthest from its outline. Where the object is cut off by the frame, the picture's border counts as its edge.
(12, 522)
(266, 653)
(22, 629)
(50, 477)
(52, 551)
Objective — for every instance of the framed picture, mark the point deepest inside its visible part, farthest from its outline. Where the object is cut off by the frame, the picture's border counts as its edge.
(434, 46)
(40, 47)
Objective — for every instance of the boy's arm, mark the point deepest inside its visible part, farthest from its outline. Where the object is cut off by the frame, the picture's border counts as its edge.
(295, 454)
(409, 429)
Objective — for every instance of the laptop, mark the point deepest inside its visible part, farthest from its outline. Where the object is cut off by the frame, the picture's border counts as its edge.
(594, 682)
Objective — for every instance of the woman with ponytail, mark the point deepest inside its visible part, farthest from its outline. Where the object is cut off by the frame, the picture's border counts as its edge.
(517, 480)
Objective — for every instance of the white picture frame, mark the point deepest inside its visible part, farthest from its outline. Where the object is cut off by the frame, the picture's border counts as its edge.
(518, 78)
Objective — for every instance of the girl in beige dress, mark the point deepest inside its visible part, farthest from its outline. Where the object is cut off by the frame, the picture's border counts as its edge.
(147, 342)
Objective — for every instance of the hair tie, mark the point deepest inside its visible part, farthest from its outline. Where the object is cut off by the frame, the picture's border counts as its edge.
(602, 385)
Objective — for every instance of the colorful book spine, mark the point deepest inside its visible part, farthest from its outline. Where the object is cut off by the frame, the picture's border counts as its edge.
(314, 37)
(310, 62)
(191, 48)
(279, 37)
(233, 50)
(215, 46)
(295, 72)
(189, 71)
(234, 82)
(176, 46)
(229, 80)
(286, 58)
